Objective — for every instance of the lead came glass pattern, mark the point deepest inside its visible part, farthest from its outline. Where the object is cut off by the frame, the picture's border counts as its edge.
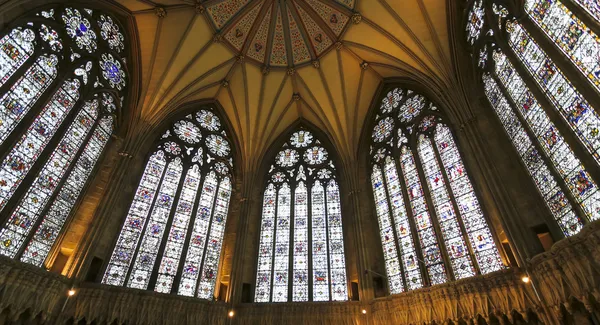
(62, 133)
(592, 6)
(337, 261)
(580, 184)
(24, 154)
(405, 239)
(484, 247)
(265, 249)
(282, 245)
(301, 251)
(208, 276)
(46, 182)
(135, 221)
(427, 235)
(25, 92)
(155, 227)
(320, 271)
(58, 150)
(576, 111)
(412, 243)
(191, 268)
(53, 221)
(475, 21)
(300, 248)
(388, 241)
(16, 47)
(179, 213)
(580, 44)
(453, 235)
(183, 212)
(546, 183)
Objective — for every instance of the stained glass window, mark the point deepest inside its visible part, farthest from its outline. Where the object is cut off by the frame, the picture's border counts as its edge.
(580, 44)
(543, 143)
(301, 249)
(554, 146)
(475, 23)
(172, 237)
(73, 124)
(425, 203)
(576, 111)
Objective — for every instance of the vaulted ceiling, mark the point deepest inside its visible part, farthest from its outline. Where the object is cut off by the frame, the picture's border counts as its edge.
(270, 62)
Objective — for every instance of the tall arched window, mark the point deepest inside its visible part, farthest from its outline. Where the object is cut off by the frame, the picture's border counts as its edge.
(62, 82)
(172, 236)
(432, 227)
(551, 124)
(301, 247)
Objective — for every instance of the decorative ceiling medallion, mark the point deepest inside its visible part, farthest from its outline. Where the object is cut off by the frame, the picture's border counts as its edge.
(287, 33)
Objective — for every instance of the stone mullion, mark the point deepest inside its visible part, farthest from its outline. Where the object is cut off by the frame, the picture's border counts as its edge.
(544, 156)
(168, 225)
(60, 184)
(326, 214)
(457, 212)
(141, 239)
(188, 236)
(275, 212)
(309, 243)
(413, 226)
(208, 229)
(291, 243)
(583, 15)
(42, 158)
(433, 213)
(568, 68)
(20, 72)
(393, 224)
(44, 99)
(568, 134)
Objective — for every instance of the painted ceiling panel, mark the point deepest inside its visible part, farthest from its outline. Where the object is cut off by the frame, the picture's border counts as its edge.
(262, 57)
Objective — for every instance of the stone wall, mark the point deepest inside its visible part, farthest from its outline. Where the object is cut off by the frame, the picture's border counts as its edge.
(563, 290)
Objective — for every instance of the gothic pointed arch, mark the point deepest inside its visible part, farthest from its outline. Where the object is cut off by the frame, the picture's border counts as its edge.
(301, 255)
(433, 228)
(172, 237)
(540, 77)
(64, 81)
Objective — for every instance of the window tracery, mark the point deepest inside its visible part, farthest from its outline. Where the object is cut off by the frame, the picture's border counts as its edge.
(172, 236)
(301, 248)
(544, 144)
(429, 217)
(58, 108)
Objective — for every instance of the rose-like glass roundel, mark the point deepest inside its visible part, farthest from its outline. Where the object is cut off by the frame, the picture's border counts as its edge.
(391, 100)
(301, 139)
(79, 29)
(172, 148)
(287, 158)
(187, 131)
(221, 168)
(112, 72)
(383, 129)
(208, 120)
(411, 108)
(218, 145)
(315, 155)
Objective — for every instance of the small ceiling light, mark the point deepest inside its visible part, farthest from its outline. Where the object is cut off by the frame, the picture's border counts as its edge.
(231, 313)
(71, 293)
(364, 311)
(525, 279)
